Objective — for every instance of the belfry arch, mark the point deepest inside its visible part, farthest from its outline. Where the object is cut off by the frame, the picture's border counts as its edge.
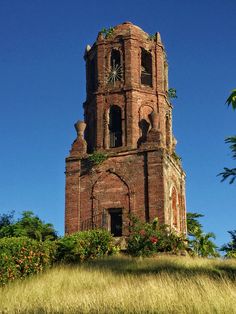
(115, 126)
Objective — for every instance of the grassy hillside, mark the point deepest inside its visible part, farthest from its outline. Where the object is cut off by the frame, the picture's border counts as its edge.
(127, 285)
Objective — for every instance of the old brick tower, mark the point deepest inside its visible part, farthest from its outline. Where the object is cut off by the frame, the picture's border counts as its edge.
(128, 120)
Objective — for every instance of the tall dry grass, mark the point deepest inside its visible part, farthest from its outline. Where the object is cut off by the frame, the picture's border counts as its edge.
(127, 285)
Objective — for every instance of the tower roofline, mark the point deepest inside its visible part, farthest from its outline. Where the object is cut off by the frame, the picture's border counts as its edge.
(124, 29)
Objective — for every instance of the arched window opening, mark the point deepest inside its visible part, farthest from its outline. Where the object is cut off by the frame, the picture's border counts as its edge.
(174, 207)
(115, 126)
(90, 132)
(115, 58)
(115, 65)
(146, 67)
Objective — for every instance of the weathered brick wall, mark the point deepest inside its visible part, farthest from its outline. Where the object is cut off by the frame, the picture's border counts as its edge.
(134, 181)
(72, 200)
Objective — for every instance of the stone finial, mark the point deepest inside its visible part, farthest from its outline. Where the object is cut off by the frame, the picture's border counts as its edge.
(88, 47)
(79, 147)
(158, 36)
(80, 127)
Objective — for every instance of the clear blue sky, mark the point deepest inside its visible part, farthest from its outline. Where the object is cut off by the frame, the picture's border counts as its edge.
(42, 88)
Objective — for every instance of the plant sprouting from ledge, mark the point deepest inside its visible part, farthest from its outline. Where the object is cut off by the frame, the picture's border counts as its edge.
(97, 158)
(172, 93)
(176, 156)
(107, 32)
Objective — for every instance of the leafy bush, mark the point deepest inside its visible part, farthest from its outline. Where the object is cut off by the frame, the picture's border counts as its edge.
(20, 257)
(147, 239)
(84, 245)
(97, 158)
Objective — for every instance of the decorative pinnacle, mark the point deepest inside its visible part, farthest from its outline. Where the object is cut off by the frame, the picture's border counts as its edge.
(159, 37)
(80, 127)
(88, 47)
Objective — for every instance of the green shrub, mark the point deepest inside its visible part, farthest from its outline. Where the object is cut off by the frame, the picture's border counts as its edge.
(84, 245)
(97, 158)
(147, 239)
(20, 257)
(107, 32)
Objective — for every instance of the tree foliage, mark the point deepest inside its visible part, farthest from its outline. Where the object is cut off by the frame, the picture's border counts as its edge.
(193, 225)
(203, 245)
(231, 101)
(29, 225)
(230, 173)
(230, 248)
(200, 242)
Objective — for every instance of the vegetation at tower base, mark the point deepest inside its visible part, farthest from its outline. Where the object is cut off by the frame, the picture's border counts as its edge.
(199, 242)
(84, 245)
(29, 225)
(22, 256)
(230, 173)
(148, 239)
(29, 246)
(230, 248)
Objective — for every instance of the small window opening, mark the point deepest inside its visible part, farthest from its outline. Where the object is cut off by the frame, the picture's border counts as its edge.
(146, 67)
(92, 75)
(116, 221)
(115, 126)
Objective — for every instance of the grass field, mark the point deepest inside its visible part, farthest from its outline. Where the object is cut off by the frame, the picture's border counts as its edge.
(127, 285)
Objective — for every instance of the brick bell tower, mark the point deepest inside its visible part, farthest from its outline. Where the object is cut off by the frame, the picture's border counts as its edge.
(128, 119)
